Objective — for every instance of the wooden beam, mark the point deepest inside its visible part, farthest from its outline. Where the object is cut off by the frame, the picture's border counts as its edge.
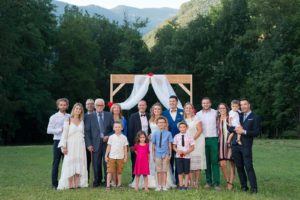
(185, 89)
(118, 89)
(111, 89)
(172, 78)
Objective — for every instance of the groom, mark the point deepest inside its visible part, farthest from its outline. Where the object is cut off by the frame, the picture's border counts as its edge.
(98, 127)
(138, 121)
(242, 154)
(174, 116)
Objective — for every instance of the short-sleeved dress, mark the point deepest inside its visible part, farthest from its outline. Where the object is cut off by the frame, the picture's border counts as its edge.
(142, 163)
(225, 152)
(198, 158)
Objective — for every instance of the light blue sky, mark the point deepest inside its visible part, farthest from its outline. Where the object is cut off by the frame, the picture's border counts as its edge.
(133, 3)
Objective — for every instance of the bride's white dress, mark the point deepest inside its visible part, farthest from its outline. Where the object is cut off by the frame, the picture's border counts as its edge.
(75, 160)
(152, 178)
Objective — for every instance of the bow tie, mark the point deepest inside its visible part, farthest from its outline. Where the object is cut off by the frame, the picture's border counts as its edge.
(143, 115)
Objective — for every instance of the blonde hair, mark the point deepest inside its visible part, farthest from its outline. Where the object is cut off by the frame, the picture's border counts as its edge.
(73, 110)
(152, 118)
(116, 105)
(189, 104)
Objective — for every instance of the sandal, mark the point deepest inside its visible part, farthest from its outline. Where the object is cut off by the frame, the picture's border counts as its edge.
(229, 184)
(107, 188)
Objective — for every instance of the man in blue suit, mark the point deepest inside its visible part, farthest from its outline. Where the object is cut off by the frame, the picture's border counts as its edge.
(242, 154)
(174, 116)
(98, 127)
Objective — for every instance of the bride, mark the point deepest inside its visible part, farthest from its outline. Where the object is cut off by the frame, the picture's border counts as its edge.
(74, 170)
(156, 111)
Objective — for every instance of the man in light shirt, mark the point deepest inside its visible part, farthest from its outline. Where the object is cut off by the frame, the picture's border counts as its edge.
(55, 127)
(208, 117)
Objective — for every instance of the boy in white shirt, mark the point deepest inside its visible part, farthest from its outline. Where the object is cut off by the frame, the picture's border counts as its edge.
(183, 145)
(116, 154)
(234, 120)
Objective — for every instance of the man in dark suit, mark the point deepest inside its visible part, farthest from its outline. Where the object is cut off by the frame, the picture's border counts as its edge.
(242, 154)
(98, 127)
(174, 116)
(137, 121)
(90, 107)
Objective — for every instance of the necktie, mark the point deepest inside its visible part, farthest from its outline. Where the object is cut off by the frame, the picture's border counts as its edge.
(160, 139)
(245, 116)
(101, 125)
(182, 140)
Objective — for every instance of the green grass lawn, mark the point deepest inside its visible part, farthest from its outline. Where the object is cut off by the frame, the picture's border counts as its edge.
(25, 174)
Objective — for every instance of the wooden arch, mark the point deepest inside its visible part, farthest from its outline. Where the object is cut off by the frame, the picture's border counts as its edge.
(179, 79)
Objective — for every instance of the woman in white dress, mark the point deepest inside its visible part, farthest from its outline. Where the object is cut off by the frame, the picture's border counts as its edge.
(156, 111)
(198, 159)
(74, 170)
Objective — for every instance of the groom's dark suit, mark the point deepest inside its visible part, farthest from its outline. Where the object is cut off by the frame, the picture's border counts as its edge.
(242, 154)
(93, 138)
(134, 126)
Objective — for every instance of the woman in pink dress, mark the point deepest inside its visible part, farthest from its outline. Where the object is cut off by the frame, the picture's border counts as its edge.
(141, 167)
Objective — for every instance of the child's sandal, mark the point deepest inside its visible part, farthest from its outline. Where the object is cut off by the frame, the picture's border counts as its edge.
(229, 184)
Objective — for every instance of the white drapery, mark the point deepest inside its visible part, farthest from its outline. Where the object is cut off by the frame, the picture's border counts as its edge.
(161, 87)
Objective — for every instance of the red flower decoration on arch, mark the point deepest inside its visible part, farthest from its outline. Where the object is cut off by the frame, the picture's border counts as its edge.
(150, 74)
(109, 104)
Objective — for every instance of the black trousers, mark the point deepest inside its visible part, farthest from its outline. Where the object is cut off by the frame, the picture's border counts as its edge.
(242, 156)
(99, 165)
(88, 162)
(102, 165)
(57, 156)
(173, 167)
(133, 157)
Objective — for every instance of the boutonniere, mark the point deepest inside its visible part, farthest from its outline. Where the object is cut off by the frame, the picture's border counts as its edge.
(181, 113)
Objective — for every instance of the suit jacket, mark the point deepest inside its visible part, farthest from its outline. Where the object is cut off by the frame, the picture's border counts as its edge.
(252, 127)
(92, 129)
(134, 126)
(173, 124)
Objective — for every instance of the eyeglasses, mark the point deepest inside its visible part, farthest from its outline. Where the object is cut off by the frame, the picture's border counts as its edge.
(99, 105)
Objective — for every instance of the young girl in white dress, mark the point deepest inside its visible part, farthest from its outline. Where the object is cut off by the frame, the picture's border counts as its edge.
(198, 158)
(74, 170)
(156, 112)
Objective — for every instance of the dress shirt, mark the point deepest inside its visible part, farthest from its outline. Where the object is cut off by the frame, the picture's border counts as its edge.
(173, 114)
(209, 122)
(144, 122)
(56, 124)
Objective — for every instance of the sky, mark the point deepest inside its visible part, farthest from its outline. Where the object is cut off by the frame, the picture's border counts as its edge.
(133, 3)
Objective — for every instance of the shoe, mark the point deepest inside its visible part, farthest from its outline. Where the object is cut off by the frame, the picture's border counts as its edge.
(165, 189)
(54, 187)
(217, 188)
(185, 188)
(253, 191)
(244, 189)
(157, 189)
(207, 186)
(181, 188)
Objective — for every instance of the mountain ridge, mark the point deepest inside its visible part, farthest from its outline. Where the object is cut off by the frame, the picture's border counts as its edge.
(155, 15)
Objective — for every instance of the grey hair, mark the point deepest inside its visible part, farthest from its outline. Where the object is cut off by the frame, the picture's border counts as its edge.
(99, 100)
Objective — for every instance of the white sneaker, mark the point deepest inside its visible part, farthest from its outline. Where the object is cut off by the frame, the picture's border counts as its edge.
(157, 189)
(165, 189)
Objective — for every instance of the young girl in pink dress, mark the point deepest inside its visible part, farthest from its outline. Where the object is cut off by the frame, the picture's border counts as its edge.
(141, 167)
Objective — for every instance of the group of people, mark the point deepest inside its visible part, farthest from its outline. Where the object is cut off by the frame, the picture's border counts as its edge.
(168, 148)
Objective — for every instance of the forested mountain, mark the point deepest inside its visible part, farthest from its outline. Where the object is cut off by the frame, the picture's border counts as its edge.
(187, 12)
(154, 15)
